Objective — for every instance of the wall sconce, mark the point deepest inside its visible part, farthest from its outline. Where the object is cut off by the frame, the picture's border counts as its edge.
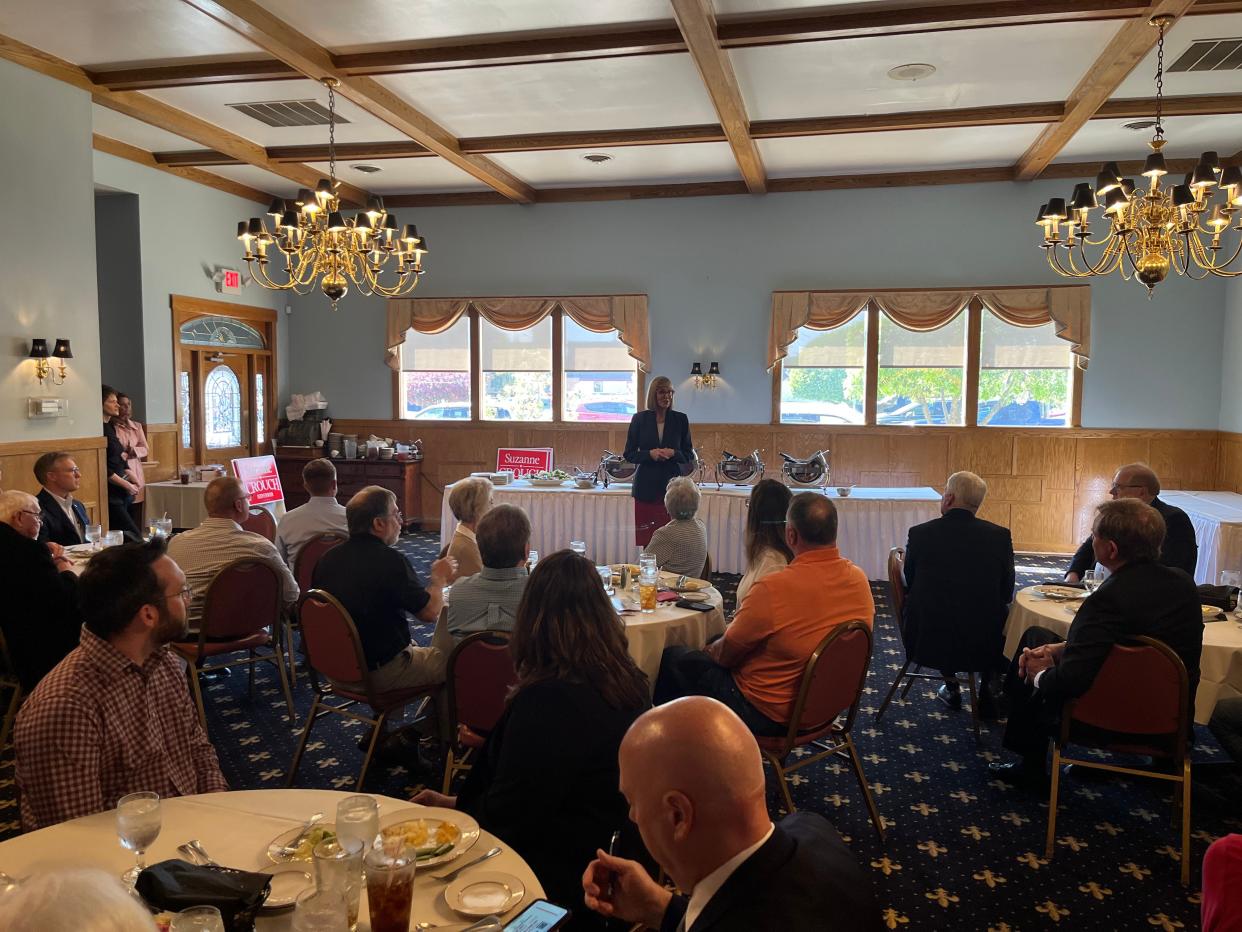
(702, 379)
(43, 368)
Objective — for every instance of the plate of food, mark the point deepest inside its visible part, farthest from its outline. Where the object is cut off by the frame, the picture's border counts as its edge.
(547, 478)
(686, 584)
(278, 853)
(1213, 613)
(436, 835)
(1061, 593)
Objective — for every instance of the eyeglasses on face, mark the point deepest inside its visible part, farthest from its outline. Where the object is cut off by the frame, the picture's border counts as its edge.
(1118, 486)
(37, 515)
(185, 593)
(73, 469)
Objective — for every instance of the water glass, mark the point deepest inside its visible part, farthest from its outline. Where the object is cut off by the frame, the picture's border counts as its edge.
(578, 547)
(94, 535)
(320, 911)
(164, 525)
(138, 824)
(357, 819)
(605, 576)
(338, 867)
(114, 538)
(390, 888)
(532, 560)
(1090, 580)
(197, 919)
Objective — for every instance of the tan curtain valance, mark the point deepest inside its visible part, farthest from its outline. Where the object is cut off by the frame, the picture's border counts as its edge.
(1068, 307)
(625, 313)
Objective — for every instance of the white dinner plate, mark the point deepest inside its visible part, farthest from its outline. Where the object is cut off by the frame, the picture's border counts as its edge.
(546, 483)
(288, 880)
(1061, 593)
(484, 893)
(276, 848)
(468, 830)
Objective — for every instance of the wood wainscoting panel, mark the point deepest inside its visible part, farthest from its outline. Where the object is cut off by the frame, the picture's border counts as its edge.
(163, 442)
(1229, 462)
(17, 460)
(1046, 525)
(927, 454)
(1051, 457)
(1096, 459)
(986, 451)
(860, 459)
(1184, 464)
(1015, 488)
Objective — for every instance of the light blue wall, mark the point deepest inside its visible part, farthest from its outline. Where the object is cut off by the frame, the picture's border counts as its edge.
(1231, 360)
(710, 265)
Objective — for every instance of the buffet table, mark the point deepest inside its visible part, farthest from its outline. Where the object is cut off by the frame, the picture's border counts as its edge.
(1217, 520)
(1220, 665)
(236, 829)
(871, 521)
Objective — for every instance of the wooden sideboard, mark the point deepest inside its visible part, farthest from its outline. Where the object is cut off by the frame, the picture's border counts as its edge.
(402, 479)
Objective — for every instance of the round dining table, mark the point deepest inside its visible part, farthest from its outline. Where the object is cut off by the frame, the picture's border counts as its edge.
(236, 828)
(1220, 665)
(648, 633)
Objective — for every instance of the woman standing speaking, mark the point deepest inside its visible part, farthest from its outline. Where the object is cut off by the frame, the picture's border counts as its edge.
(659, 443)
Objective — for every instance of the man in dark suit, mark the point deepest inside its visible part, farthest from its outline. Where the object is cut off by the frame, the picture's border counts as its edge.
(1179, 548)
(1140, 597)
(64, 517)
(693, 777)
(959, 582)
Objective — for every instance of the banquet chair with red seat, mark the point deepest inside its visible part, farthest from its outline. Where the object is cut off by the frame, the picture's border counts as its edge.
(480, 674)
(242, 611)
(334, 652)
(1139, 703)
(304, 574)
(261, 522)
(831, 687)
(9, 680)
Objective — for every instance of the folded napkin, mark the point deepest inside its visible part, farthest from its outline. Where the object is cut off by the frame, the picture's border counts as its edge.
(176, 885)
(1225, 597)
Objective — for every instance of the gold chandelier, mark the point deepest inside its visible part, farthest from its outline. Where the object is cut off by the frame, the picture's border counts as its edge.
(1151, 231)
(319, 244)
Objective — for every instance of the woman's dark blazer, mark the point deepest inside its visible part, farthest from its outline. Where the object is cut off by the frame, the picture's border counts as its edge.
(653, 476)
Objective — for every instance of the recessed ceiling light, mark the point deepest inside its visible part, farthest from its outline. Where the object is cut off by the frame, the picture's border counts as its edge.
(366, 169)
(915, 71)
(1139, 125)
(597, 158)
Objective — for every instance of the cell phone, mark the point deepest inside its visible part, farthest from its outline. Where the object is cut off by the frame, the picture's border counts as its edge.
(697, 606)
(539, 916)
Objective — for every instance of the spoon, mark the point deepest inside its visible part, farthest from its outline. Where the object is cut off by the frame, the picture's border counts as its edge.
(457, 870)
(309, 824)
(197, 846)
(486, 924)
(8, 884)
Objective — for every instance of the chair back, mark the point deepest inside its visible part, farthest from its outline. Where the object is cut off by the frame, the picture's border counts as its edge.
(241, 599)
(480, 673)
(260, 521)
(310, 554)
(330, 639)
(1142, 689)
(897, 584)
(832, 681)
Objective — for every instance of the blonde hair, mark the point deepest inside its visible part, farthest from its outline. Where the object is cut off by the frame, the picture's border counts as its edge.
(659, 382)
(470, 498)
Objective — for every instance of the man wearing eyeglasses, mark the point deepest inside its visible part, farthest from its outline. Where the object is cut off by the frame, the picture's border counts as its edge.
(1180, 550)
(64, 517)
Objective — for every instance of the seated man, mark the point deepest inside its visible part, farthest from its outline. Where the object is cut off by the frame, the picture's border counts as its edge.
(1179, 549)
(959, 582)
(323, 514)
(488, 600)
(219, 540)
(694, 780)
(64, 517)
(115, 716)
(377, 586)
(40, 618)
(1140, 597)
(756, 667)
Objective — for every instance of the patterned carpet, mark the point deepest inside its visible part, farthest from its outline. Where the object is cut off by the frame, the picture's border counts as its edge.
(962, 851)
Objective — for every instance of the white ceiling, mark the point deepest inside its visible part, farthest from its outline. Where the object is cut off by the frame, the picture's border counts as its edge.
(630, 165)
(1187, 136)
(1142, 80)
(118, 126)
(399, 176)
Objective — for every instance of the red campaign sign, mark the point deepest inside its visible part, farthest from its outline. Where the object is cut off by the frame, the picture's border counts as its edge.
(523, 461)
(258, 474)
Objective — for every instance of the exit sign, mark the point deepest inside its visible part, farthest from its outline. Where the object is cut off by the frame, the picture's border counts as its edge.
(228, 281)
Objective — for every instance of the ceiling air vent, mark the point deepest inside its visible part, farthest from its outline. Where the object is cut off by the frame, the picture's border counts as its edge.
(1211, 55)
(287, 112)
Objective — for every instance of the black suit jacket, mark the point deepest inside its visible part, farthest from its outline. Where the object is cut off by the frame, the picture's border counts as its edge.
(56, 526)
(1179, 550)
(804, 877)
(959, 579)
(653, 476)
(39, 616)
(1139, 599)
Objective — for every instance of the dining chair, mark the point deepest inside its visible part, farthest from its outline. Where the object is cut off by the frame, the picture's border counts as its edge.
(304, 574)
(831, 687)
(242, 612)
(1139, 703)
(338, 669)
(260, 521)
(480, 674)
(9, 680)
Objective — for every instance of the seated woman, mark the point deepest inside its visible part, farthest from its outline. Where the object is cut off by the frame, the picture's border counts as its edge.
(766, 550)
(547, 780)
(468, 501)
(681, 545)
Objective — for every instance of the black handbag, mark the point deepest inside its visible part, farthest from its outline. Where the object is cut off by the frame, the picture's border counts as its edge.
(1225, 597)
(175, 885)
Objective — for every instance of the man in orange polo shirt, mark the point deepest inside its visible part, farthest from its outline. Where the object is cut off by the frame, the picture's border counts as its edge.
(756, 667)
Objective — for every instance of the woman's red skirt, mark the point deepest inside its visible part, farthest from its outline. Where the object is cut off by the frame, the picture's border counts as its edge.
(648, 517)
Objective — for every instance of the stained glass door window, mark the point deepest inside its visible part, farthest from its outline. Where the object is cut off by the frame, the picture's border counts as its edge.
(222, 408)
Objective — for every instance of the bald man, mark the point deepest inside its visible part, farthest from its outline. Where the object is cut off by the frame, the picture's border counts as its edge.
(1180, 550)
(692, 774)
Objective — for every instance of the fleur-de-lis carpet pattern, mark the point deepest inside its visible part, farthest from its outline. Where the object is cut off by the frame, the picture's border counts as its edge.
(963, 851)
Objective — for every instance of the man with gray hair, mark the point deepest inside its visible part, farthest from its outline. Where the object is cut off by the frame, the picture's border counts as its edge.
(959, 583)
(488, 600)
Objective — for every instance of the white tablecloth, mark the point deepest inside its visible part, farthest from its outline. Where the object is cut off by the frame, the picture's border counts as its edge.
(184, 503)
(669, 625)
(236, 829)
(1220, 665)
(1217, 519)
(871, 521)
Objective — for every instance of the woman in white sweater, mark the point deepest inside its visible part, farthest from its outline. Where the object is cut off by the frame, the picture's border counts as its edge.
(766, 550)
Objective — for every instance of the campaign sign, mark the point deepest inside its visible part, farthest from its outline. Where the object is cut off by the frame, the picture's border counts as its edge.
(258, 474)
(523, 461)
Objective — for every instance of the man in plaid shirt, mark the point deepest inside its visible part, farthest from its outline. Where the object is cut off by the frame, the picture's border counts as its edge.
(115, 716)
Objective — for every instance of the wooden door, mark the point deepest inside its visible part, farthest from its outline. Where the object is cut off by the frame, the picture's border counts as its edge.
(225, 386)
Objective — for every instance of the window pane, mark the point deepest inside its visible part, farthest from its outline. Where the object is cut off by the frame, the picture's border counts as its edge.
(601, 378)
(435, 373)
(1025, 375)
(921, 375)
(824, 377)
(184, 391)
(222, 409)
(517, 372)
(260, 415)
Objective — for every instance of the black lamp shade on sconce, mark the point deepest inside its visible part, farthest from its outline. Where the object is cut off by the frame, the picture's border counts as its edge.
(696, 369)
(38, 349)
(62, 350)
(714, 369)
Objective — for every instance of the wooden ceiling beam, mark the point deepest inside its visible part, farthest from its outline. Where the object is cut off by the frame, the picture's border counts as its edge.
(697, 23)
(125, 151)
(278, 38)
(1113, 65)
